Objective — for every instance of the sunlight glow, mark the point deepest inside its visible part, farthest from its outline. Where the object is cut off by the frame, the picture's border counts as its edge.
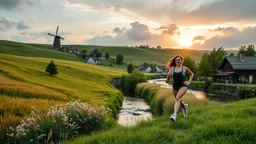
(185, 42)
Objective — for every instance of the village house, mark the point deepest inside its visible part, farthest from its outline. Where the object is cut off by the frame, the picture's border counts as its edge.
(92, 60)
(162, 69)
(145, 68)
(237, 69)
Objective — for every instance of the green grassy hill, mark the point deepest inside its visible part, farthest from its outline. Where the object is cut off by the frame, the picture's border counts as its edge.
(24, 83)
(134, 55)
(139, 55)
(217, 123)
(34, 50)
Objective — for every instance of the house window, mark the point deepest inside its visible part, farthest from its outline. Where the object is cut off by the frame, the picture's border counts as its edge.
(242, 79)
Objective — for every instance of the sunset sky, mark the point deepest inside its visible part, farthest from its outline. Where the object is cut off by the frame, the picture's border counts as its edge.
(196, 24)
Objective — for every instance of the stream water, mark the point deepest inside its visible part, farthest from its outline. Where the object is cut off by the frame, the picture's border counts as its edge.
(134, 110)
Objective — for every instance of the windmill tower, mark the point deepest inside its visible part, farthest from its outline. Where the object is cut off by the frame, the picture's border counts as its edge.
(56, 42)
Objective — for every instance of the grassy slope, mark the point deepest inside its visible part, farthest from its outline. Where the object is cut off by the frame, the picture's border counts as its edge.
(135, 55)
(227, 123)
(24, 82)
(79, 79)
(33, 50)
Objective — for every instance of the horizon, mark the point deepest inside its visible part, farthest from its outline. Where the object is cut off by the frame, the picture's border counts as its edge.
(182, 24)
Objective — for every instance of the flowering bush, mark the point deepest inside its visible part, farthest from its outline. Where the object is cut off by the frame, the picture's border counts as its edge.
(59, 123)
(86, 117)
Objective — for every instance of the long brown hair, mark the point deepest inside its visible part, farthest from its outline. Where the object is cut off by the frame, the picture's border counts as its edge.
(172, 63)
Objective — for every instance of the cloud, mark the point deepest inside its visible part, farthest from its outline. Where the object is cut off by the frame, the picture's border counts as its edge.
(198, 38)
(138, 34)
(14, 5)
(6, 23)
(226, 30)
(22, 26)
(119, 30)
(232, 40)
(32, 20)
(170, 29)
(183, 12)
(118, 7)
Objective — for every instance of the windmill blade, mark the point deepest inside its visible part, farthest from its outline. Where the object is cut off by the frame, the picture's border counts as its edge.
(50, 34)
(62, 38)
(57, 30)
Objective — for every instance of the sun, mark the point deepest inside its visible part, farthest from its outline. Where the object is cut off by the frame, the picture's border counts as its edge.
(185, 42)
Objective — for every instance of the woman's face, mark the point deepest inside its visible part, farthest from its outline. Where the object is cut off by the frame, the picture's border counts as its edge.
(178, 61)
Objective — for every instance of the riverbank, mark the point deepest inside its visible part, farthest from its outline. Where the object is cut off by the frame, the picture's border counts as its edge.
(213, 123)
(234, 91)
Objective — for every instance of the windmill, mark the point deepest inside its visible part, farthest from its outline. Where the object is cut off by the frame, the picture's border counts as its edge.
(56, 42)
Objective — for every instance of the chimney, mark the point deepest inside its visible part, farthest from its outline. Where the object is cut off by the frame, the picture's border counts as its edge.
(241, 53)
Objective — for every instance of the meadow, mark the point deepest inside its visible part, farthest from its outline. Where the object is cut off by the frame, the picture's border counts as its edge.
(207, 122)
(24, 83)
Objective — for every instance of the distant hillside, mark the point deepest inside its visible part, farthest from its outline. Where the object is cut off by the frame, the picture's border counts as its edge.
(139, 55)
(135, 55)
(34, 50)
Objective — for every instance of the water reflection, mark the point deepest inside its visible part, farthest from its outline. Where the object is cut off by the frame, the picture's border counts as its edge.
(198, 94)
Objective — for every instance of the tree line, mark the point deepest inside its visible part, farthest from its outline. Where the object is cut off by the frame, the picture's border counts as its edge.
(210, 62)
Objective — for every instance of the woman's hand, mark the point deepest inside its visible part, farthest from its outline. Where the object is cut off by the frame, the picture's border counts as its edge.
(187, 83)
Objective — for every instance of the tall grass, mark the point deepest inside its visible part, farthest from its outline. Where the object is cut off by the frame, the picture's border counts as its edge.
(20, 89)
(12, 111)
(161, 100)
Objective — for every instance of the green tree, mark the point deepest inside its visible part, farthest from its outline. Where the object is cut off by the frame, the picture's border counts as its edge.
(231, 54)
(119, 59)
(250, 50)
(94, 51)
(106, 55)
(51, 68)
(145, 64)
(153, 67)
(215, 58)
(83, 53)
(130, 68)
(190, 63)
(98, 54)
(204, 67)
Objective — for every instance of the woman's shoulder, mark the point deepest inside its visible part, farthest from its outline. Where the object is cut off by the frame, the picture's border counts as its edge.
(185, 68)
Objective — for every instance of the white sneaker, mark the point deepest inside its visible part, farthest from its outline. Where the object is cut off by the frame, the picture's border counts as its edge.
(173, 117)
(185, 111)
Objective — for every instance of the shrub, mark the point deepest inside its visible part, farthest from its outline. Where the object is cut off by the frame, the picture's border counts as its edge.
(245, 92)
(86, 117)
(129, 82)
(59, 123)
(130, 68)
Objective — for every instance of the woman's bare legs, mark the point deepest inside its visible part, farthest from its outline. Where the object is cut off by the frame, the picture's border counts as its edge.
(178, 98)
(178, 102)
(181, 102)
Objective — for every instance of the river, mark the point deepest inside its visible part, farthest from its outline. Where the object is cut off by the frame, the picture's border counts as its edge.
(134, 110)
